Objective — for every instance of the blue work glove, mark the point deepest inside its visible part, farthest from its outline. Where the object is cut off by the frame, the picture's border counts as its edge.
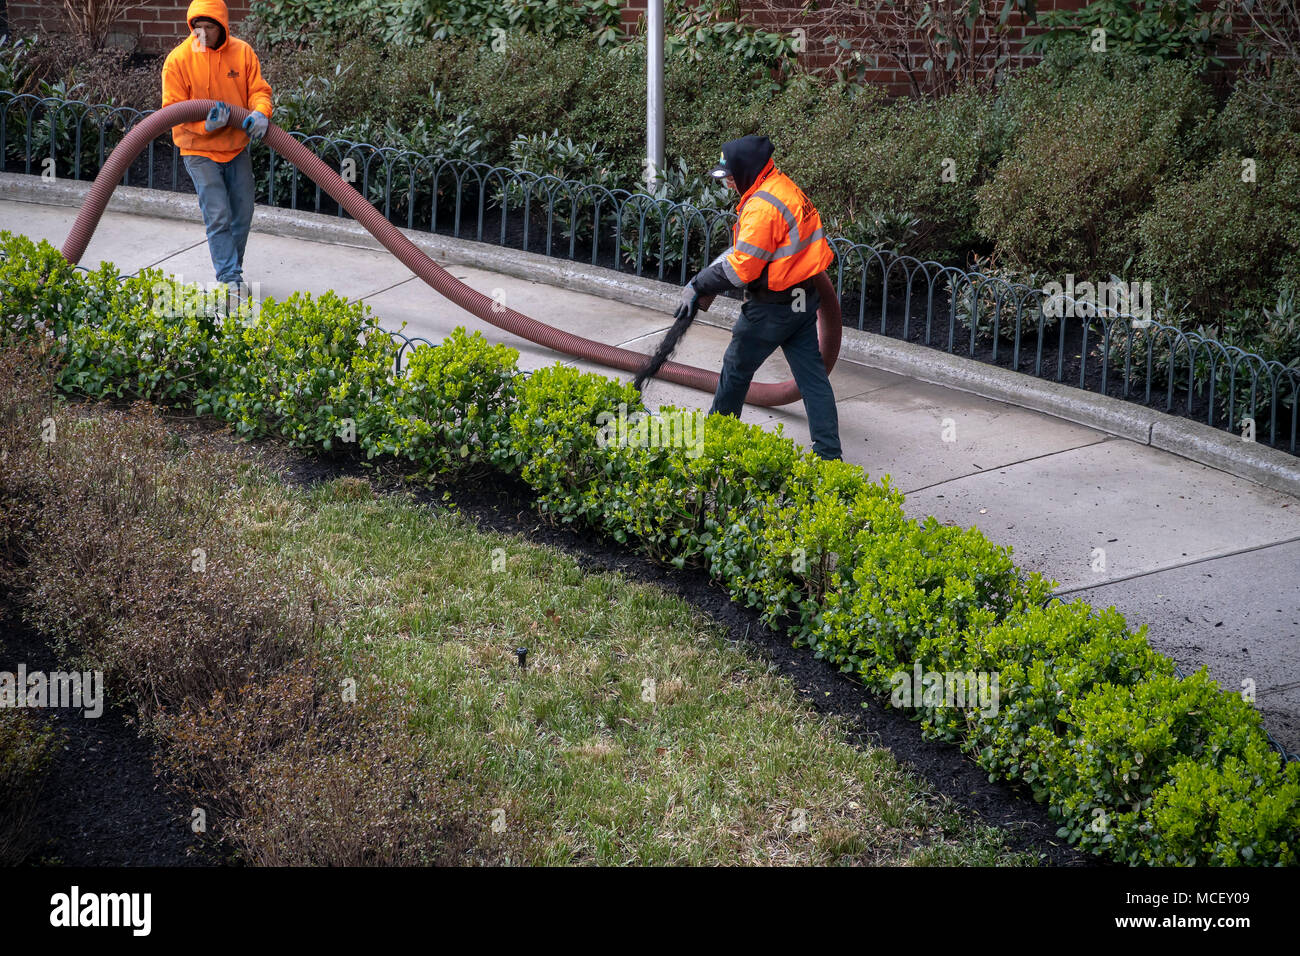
(255, 125)
(218, 117)
(690, 301)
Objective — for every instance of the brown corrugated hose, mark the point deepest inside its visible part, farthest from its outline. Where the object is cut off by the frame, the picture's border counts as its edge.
(765, 394)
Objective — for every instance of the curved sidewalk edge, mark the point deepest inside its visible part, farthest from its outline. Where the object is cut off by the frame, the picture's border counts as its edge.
(1196, 441)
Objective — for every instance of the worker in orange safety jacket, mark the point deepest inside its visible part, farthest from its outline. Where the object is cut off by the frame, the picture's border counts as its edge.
(778, 249)
(210, 64)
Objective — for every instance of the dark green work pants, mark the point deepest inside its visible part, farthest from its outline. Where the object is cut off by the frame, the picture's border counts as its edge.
(762, 328)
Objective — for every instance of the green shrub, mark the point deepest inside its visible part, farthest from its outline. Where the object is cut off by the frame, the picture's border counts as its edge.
(919, 585)
(17, 63)
(1165, 29)
(154, 340)
(787, 554)
(1088, 152)
(1243, 812)
(711, 100)
(408, 23)
(675, 500)
(306, 369)
(39, 289)
(555, 440)
(1046, 657)
(535, 86)
(1121, 744)
(860, 159)
(1220, 243)
(452, 410)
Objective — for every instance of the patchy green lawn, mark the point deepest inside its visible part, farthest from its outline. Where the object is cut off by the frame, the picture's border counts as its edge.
(637, 734)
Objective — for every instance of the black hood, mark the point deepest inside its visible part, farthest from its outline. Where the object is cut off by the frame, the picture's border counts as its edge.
(745, 158)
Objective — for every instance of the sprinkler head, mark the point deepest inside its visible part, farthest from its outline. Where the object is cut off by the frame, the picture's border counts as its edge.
(522, 654)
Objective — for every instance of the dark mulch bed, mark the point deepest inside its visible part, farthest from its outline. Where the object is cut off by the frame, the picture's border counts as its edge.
(497, 503)
(105, 806)
(102, 804)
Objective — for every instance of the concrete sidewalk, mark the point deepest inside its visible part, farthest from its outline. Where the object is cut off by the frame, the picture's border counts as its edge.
(1207, 560)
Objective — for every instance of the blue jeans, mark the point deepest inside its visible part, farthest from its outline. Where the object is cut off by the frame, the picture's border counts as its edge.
(761, 329)
(226, 198)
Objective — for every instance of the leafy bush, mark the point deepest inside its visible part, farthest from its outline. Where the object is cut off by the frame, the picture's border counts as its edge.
(555, 441)
(306, 369)
(1165, 29)
(1046, 657)
(698, 29)
(907, 590)
(1220, 242)
(452, 411)
(1120, 745)
(1059, 210)
(675, 225)
(45, 61)
(15, 63)
(331, 85)
(39, 289)
(785, 553)
(153, 340)
(863, 160)
(675, 497)
(409, 22)
(1238, 813)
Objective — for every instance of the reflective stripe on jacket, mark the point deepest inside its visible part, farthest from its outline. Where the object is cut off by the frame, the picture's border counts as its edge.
(779, 230)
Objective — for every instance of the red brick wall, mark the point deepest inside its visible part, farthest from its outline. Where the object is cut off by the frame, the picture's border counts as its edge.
(842, 19)
(160, 24)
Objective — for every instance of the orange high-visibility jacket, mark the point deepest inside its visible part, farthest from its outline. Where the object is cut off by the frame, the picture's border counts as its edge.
(230, 73)
(780, 230)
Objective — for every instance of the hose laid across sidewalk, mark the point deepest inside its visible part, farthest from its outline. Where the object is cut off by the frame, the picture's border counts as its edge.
(434, 275)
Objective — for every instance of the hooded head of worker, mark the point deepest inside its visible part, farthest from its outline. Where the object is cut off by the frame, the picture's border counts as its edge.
(209, 23)
(744, 160)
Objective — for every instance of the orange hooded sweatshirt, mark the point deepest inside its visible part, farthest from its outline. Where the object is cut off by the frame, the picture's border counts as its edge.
(230, 73)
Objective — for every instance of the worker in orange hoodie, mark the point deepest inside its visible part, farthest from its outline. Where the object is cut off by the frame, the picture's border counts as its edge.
(213, 65)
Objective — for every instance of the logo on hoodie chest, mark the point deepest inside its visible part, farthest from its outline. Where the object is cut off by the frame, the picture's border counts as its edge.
(233, 74)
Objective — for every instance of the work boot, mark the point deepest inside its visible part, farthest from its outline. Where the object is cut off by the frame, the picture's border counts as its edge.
(238, 293)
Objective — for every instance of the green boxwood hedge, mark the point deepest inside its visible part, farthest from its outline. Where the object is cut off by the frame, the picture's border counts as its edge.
(1134, 762)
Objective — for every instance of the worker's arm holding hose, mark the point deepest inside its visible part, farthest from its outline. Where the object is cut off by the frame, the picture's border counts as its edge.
(259, 99)
(738, 265)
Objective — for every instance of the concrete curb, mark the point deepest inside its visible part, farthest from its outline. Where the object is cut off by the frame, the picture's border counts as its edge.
(1192, 440)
